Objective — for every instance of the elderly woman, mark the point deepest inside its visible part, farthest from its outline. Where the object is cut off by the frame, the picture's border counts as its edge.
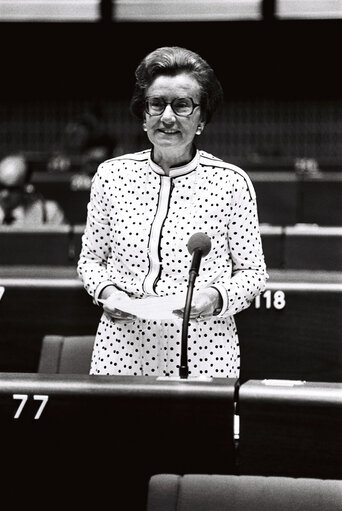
(143, 209)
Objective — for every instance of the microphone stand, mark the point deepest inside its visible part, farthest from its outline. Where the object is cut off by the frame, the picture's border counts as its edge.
(193, 273)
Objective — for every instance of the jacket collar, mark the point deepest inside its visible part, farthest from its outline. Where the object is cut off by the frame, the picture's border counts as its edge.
(176, 171)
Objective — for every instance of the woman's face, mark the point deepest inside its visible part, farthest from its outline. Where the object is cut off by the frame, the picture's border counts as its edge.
(168, 131)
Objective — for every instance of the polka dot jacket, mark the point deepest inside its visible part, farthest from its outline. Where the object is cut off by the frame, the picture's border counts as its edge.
(138, 224)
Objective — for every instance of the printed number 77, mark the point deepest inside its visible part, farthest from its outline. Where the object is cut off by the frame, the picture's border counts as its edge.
(24, 397)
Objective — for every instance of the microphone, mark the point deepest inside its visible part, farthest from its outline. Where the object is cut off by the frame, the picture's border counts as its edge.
(199, 245)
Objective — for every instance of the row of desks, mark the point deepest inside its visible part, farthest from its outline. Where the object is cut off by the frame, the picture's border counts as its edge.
(284, 198)
(304, 247)
(96, 440)
(293, 330)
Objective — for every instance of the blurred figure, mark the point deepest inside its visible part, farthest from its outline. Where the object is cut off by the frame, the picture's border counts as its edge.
(83, 140)
(307, 168)
(97, 149)
(20, 203)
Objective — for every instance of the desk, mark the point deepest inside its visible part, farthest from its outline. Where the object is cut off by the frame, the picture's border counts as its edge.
(283, 197)
(94, 441)
(39, 245)
(292, 331)
(291, 429)
(293, 247)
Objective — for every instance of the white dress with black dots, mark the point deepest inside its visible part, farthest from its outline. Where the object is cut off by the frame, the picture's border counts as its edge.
(138, 224)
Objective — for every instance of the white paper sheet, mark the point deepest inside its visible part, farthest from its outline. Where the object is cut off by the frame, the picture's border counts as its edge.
(153, 307)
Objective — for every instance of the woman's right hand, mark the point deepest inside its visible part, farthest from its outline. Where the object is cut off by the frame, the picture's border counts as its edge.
(110, 299)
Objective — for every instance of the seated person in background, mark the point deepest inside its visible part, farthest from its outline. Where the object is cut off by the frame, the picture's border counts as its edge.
(20, 203)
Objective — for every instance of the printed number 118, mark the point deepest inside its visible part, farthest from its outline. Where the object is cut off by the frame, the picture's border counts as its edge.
(275, 300)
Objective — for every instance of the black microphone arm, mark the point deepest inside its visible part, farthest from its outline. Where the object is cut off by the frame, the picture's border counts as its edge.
(199, 246)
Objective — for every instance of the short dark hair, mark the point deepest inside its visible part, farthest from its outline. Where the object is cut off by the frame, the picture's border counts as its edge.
(171, 61)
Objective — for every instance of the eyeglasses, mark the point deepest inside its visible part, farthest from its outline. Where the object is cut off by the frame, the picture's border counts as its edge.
(180, 106)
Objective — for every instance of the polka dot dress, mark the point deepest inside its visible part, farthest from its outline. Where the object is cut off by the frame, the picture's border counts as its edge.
(138, 224)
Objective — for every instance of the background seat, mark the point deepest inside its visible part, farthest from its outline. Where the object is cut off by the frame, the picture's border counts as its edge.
(171, 492)
(66, 355)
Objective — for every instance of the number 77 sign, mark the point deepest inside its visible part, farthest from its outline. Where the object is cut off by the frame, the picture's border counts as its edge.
(24, 397)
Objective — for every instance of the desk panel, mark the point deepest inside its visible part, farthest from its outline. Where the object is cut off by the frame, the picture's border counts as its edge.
(286, 199)
(313, 248)
(277, 201)
(320, 201)
(32, 308)
(291, 428)
(283, 197)
(299, 247)
(294, 330)
(96, 441)
(41, 245)
(292, 247)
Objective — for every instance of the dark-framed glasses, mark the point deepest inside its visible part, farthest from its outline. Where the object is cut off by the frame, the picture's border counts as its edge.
(180, 106)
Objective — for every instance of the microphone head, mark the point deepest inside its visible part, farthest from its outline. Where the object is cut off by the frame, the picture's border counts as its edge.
(200, 241)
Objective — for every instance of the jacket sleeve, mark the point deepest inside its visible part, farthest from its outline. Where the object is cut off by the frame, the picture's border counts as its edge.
(92, 263)
(239, 286)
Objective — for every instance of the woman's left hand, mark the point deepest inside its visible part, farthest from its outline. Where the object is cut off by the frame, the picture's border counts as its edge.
(204, 303)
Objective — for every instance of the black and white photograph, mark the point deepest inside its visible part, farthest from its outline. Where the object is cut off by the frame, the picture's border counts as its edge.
(171, 255)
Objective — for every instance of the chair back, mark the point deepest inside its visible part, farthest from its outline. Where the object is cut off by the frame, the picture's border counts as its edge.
(202, 492)
(66, 355)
